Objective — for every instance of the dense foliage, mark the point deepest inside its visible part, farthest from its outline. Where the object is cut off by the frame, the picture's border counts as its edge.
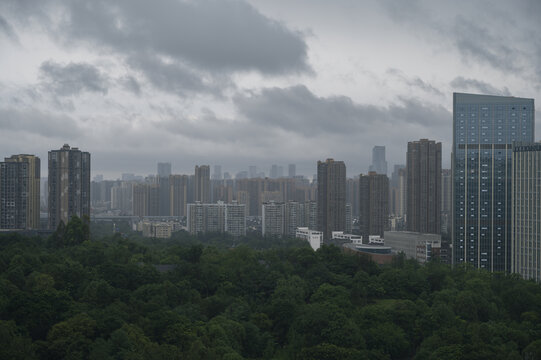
(74, 298)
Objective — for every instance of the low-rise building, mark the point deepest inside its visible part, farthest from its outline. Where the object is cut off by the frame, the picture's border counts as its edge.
(414, 245)
(315, 238)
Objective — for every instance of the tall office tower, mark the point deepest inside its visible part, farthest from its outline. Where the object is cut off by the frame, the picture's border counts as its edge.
(272, 219)
(446, 199)
(291, 170)
(379, 164)
(484, 128)
(252, 171)
(352, 195)
(526, 217)
(178, 194)
(424, 186)
(374, 204)
(331, 197)
(164, 169)
(20, 192)
(217, 174)
(69, 185)
(202, 184)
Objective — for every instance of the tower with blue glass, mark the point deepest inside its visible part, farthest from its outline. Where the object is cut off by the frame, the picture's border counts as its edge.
(484, 129)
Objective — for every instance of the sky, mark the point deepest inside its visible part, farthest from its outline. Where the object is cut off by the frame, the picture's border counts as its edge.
(240, 83)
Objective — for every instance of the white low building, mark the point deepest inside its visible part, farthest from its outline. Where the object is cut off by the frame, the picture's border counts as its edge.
(315, 238)
(339, 235)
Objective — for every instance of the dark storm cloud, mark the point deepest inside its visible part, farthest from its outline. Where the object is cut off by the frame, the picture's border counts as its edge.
(415, 82)
(7, 29)
(478, 86)
(33, 121)
(73, 78)
(298, 110)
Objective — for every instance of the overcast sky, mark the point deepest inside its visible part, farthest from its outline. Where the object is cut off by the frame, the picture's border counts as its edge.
(237, 83)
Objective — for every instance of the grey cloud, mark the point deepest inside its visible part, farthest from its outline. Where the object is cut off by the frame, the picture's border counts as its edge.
(7, 29)
(416, 82)
(298, 110)
(131, 84)
(73, 78)
(479, 86)
(211, 35)
(174, 76)
(34, 121)
(477, 42)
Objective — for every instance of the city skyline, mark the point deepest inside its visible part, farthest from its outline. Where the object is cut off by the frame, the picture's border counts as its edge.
(306, 77)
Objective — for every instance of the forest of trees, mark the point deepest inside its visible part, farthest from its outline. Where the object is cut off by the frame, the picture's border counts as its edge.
(106, 297)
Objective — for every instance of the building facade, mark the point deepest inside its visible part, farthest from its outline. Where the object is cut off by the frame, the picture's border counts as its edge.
(20, 192)
(331, 197)
(69, 185)
(526, 211)
(374, 204)
(202, 184)
(424, 186)
(379, 164)
(484, 128)
(219, 217)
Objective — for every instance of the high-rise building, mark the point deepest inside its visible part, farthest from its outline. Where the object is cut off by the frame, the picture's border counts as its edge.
(217, 175)
(69, 185)
(484, 128)
(121, 197)
(374, 204)
(291, 170)
(398, 193)
(273, 219)
(146, 200)
(164, 169)
(331, 197)
(424, 186)
(20, 192)
(446, 200)
(526, 217)
(178, 193)
(164, 196)
(379, 164)
(352, 195)
(349, 219)
(202, 184)
(219, 217)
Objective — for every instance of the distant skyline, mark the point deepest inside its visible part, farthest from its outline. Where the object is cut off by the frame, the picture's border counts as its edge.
(240, 83)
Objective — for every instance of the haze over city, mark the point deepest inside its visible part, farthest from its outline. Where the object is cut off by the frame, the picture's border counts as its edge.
(240, 83)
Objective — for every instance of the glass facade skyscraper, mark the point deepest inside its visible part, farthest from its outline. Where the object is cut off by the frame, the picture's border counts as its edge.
(484, 129)
(526, 211)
